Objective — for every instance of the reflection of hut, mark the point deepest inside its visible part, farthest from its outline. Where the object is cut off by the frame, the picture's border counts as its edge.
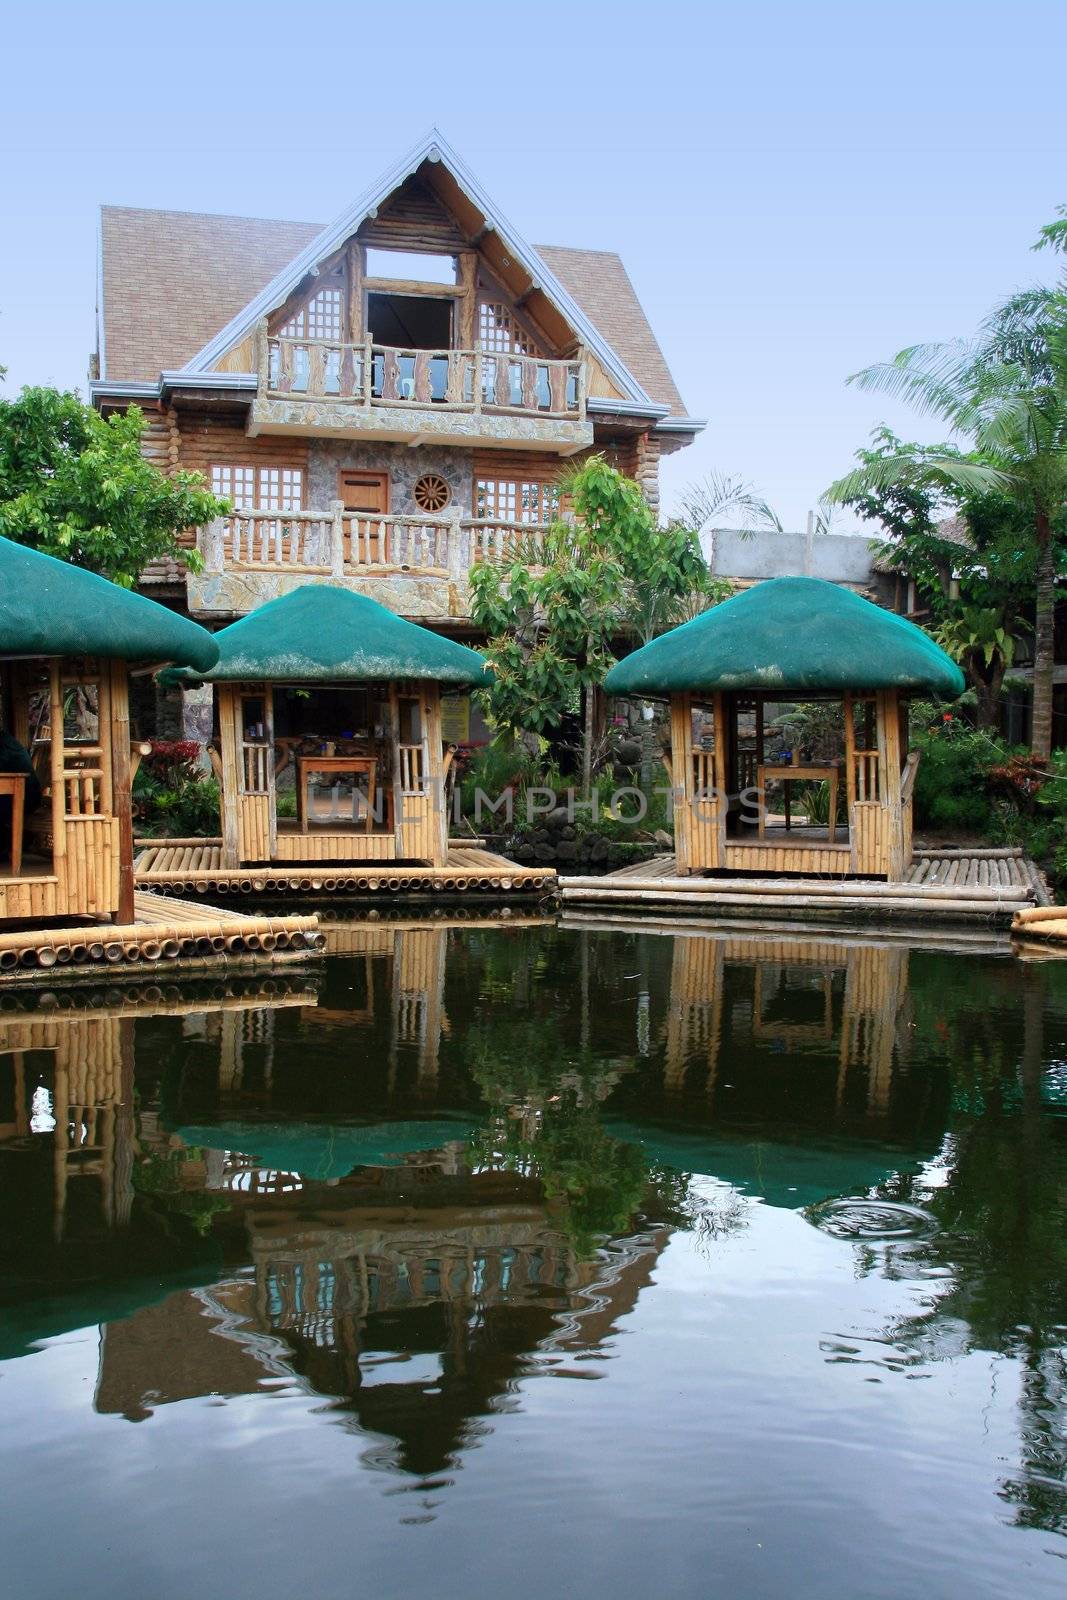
(786, 641)
(332, 691)
(66, 636)
(91, 1103)
(792, 1006)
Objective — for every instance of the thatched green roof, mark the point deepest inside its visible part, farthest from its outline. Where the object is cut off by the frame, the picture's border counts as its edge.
(798, 634)
(50, 608)
(322, 634)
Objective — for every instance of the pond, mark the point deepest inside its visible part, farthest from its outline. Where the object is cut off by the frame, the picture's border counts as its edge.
(541, 1259)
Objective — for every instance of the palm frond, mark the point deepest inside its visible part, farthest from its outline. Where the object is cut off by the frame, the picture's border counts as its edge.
(891, 471)
(712, 500)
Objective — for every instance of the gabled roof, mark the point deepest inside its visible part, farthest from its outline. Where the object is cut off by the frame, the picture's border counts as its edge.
(322, 634)
(794, 634)
(51, 608)
(170, 278)
(432, 147)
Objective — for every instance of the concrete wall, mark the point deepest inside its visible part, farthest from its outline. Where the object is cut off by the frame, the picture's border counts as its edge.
(838, 557)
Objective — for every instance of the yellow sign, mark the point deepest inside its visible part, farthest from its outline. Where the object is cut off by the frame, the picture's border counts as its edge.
(456, 719)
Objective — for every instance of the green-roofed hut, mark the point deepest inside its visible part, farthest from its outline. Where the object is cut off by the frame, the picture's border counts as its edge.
(67, 637)
(328, 690)
(786, 641)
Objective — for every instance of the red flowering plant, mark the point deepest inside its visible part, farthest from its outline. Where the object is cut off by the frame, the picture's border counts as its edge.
(173, 794)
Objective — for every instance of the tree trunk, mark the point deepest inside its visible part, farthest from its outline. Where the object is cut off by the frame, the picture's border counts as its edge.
(1044, 642)
(587, 743)
(987, 687)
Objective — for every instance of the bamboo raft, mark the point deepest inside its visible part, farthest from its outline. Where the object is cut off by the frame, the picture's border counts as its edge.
(165, 934)
(987, 887)
(194, 866)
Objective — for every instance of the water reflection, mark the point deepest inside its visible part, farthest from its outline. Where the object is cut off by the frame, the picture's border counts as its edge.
(452, 1164)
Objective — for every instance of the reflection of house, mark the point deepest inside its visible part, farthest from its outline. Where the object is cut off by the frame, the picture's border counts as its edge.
(413, 1295)
(802, 993)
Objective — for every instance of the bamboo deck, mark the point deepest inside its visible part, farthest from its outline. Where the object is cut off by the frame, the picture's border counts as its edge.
(187, 866)
(985, 888)
(165, 936)
(1045, 923)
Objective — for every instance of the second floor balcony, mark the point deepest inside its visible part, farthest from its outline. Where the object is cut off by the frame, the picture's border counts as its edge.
(475, 397)
(418, 566)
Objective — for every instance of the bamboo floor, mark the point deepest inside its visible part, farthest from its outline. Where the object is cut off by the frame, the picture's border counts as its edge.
(188, 866)
(984, 889)
(166, 935)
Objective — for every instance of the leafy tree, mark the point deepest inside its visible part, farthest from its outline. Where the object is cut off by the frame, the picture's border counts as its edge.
(977, 593)
(1005, 392)
(75, 485)
(552, 611)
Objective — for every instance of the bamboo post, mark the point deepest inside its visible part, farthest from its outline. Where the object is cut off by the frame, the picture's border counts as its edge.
(231, 788)
(122, 786)
(889, 753)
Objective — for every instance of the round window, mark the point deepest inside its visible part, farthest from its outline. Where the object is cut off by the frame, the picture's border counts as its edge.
(432, 492)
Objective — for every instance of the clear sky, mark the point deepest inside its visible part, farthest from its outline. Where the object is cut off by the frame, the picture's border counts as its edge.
(797, 190)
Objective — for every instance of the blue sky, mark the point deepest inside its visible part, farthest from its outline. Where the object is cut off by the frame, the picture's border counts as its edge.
(797, 190)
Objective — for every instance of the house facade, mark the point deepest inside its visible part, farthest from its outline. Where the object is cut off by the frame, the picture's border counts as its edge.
(385, 401)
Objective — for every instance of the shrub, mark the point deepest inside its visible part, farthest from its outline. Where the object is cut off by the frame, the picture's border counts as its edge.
(172, 795)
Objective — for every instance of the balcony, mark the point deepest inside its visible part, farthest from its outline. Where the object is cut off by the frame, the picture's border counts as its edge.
(419, 567)
(465, 397)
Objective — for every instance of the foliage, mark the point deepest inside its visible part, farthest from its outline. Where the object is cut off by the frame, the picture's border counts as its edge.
(75, 485)
(159, 1174)
(172, 795)
(551, 612)
(1005, 393)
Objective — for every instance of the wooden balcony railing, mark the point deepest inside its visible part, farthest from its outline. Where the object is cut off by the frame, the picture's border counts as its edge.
(341, 543)
(371, 375)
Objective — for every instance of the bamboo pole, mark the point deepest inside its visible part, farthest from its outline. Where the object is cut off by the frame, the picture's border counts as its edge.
(122, 786)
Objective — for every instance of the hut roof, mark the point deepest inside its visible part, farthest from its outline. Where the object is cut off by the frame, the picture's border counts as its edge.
(322, 634)
(799, 634)
(51, 608)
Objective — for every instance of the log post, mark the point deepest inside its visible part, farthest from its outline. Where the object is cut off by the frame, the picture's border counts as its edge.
(337, 539)
(262, 357)
(122, 786)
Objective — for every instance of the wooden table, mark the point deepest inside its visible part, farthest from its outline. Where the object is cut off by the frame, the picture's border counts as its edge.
(825, 774)
(14, 784)
(346, 765)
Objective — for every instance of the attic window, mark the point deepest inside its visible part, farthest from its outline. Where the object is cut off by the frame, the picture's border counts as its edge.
(497, 330)
(320, 318)
(411, 266)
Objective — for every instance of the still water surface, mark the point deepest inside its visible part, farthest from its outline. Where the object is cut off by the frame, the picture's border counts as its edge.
(526, 1260)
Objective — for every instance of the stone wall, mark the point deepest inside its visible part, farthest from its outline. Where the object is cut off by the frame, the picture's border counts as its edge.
(328, 457)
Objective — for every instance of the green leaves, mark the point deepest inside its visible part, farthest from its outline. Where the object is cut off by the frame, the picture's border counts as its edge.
(551, 616)
(75, 485)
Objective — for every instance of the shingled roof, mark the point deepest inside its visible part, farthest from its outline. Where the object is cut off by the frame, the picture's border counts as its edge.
(172, 279)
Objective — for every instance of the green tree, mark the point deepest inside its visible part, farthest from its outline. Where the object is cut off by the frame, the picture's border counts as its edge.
(976, 591)
(75, 485)
(1005, 393)
(552, 610)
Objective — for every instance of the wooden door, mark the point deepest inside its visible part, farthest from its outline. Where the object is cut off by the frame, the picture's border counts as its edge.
(366, 494)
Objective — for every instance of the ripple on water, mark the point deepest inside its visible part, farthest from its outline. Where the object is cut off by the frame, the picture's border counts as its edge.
(859, 1217)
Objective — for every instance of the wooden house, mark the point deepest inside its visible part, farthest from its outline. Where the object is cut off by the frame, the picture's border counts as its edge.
(67, 637)
(343, 699)
(384, 401)
(726, 673)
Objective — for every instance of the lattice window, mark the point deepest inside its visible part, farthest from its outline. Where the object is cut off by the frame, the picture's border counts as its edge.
(498, 332)
(320, 318)
(517, 499)
(281, 488)
(268, 488)
(235, 484)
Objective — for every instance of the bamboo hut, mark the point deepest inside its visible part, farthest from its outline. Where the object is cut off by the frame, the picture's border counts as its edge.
(67, 637)
(327, 697)
(780, 643)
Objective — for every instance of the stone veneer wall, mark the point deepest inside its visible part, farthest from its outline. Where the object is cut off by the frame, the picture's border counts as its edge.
(328, 457)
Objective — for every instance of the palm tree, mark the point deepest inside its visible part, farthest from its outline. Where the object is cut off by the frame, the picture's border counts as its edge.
(1005, 392)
